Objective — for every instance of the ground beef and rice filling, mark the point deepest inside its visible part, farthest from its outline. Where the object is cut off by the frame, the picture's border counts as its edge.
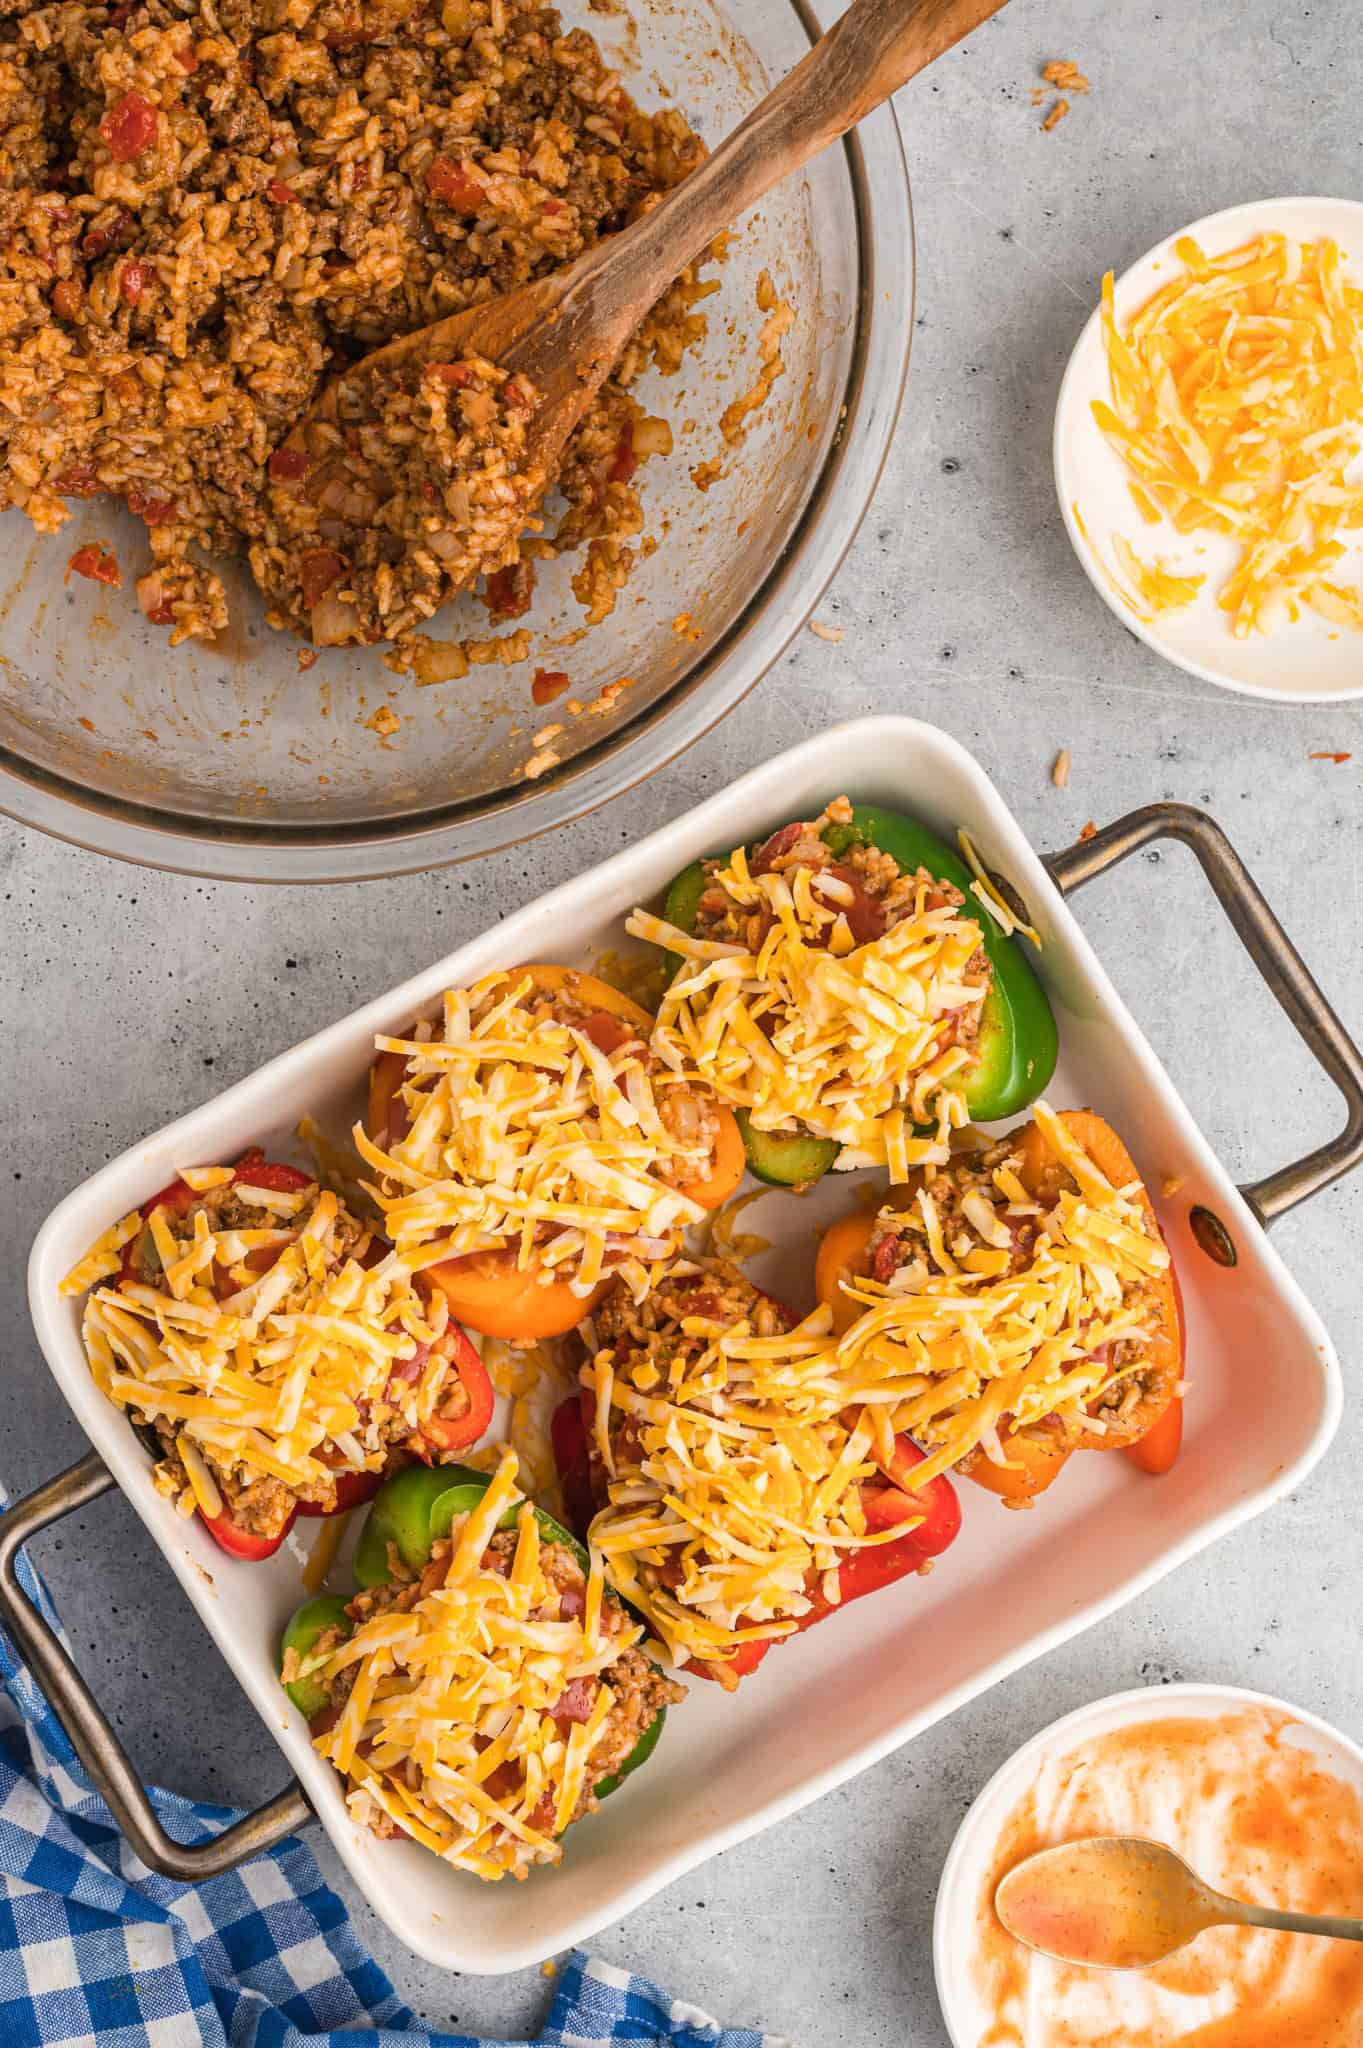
(208, 207)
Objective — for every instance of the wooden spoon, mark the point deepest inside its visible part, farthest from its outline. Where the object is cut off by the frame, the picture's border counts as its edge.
(1115, 1902)
(565, 332)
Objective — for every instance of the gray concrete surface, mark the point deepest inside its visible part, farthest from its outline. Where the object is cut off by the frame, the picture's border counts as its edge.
(962, 603)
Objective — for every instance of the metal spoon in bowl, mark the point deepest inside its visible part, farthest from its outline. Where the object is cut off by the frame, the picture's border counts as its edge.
(1115, 1902)
(560, 336)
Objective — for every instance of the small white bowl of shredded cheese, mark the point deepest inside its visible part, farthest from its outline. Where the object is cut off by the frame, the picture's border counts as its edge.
(1209, 449)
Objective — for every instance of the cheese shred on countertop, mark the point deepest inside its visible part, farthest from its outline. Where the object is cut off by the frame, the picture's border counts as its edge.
(812, 1032)
(1237, 403)
(526, 1137)
(971, 1347)
(295, 1357)
(448, 1729)
(740, 1489)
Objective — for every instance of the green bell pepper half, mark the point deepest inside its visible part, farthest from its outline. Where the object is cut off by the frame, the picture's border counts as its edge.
(304, 1632)
(419, 1505)
(416, 1508)
(1017, 1043)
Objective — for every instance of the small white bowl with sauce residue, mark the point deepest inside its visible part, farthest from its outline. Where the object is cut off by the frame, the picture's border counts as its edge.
(1307, 661)
(1263, 1799)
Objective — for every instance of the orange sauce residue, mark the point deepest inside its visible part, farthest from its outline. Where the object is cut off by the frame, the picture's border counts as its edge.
(1248, 1802)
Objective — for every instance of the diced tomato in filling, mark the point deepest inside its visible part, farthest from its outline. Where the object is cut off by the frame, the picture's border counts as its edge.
(516, 395)
(101, 239)
(451, 181)
(865, 914)
(287, 464)
(548, 684)
(771, 850)
(576, 1700)
(81, 480)
(885, 1260)
(66, 298)
(133, 279)
(320, 568)
(129, 127)
(608, 1034)
(511, 591)
(572, 1602)
(280, 194)
(626, 461)
(155, 511)
(187, 61)
(94, 561)
(457, 375)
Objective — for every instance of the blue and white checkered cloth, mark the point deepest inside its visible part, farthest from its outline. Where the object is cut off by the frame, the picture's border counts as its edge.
(96, 1949)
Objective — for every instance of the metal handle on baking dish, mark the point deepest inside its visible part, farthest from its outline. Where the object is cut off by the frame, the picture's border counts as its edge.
(1276, 958)
(92, 1738)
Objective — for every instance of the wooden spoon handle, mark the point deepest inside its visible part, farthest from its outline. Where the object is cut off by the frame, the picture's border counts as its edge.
(877, 46)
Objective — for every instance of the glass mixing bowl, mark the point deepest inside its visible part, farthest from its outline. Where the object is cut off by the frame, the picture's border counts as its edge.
(222, 759)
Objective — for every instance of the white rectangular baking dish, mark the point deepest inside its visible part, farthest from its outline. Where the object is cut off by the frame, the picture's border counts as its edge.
(1012, 1587)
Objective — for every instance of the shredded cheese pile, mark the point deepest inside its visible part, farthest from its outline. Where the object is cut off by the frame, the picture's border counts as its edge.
(451, 1691)
(969, 1342)
(298, 1356)
(745, 1488)
(815, 1033)
(1158, 589)
(1238, 404)
(525, 1136)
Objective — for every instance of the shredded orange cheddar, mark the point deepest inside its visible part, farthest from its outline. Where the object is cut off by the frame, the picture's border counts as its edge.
(1237, 403)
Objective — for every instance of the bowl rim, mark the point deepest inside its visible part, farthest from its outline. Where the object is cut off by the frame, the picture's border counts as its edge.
(1128, 1706)
(777, 611)
(1246, 213)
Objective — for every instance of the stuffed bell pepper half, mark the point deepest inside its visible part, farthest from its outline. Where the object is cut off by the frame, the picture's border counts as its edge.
(741, 1484)
(484, 1689)
(851, 991)
(527, 1147)
(273, 1352)
(1029, 1287)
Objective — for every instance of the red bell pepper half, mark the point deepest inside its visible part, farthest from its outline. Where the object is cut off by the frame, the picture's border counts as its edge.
(442, 1434)
(568, 1434)
(242, 1543)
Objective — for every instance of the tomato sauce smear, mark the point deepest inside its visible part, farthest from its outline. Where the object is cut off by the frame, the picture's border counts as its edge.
(1247, 1799)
